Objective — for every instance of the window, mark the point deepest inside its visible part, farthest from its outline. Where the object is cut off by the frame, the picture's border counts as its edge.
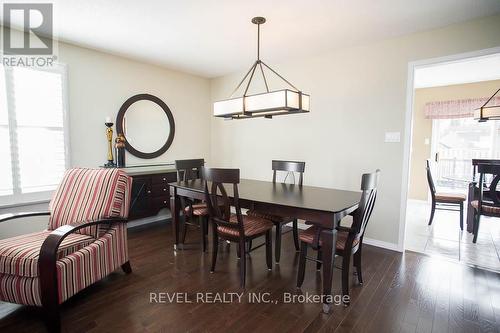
(33, 133)
(457, 141)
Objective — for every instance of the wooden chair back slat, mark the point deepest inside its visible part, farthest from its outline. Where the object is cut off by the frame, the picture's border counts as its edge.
(369, 183)
(290, 167)
(491, 191)
(218, 202)
(189, 169)
(430, 180)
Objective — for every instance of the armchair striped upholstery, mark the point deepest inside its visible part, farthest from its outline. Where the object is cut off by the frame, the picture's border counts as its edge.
(85, 241)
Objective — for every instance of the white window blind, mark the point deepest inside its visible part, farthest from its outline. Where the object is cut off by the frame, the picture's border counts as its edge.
(33, 135)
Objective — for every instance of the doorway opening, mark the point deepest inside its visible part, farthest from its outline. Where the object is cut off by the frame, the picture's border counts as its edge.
(443, 131)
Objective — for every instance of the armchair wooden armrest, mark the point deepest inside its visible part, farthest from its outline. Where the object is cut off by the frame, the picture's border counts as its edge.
(51, 244)
(12, 216)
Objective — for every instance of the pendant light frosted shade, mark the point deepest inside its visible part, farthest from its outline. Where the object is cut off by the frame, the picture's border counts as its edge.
(266, 104)
(488, 112)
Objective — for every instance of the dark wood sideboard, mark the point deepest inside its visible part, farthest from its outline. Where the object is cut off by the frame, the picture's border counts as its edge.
(150, 191)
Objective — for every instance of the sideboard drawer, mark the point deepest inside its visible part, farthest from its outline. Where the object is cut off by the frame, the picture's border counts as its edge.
(164, 178)
(159, 203)
(159, 190)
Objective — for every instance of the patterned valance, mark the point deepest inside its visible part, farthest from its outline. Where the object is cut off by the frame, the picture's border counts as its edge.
(461, 108)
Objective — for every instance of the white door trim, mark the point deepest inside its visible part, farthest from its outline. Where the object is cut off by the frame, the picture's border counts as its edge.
(409, 126)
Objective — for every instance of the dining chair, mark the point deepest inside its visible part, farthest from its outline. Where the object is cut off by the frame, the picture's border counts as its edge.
(349, 239)
(444, 201)
(288, 170)
(488, 203)
(189, 170)
(237, 228)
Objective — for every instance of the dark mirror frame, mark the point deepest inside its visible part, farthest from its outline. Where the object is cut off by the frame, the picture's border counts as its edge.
(165, 108)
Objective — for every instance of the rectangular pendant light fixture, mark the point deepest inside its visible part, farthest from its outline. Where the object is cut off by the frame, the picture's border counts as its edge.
(277, 102)
(266, 104)
(485, 112)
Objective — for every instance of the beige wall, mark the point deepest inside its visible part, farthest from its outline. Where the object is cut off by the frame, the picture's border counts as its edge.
(357, 94)
(98, 85)
(422, 127)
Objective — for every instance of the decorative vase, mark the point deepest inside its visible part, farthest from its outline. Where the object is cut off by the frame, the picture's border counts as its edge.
(120, 150)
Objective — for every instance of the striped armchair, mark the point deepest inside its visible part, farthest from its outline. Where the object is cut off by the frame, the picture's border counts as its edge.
(86, 239)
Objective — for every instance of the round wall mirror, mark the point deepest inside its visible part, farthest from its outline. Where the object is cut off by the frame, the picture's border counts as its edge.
(147, 124)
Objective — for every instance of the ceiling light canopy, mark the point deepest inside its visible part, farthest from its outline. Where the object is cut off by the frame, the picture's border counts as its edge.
(488, 112)
(266, 104)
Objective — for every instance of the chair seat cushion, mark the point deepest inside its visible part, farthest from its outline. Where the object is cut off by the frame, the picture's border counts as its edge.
(19, 255)
(270, 217)
(309, 234)
(198, 209)
(486, 208)
(75, 272)
(252, 226)
(450, 197)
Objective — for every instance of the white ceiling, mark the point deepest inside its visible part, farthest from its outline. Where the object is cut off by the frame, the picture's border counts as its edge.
(477, 69)
(212, 38)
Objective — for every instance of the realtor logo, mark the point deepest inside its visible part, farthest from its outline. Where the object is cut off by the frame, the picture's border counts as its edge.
(36, 21)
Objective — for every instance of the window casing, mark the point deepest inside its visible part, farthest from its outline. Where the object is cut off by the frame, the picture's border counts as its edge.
(34, 138)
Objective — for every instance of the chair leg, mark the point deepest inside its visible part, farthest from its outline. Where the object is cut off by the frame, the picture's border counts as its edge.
(476, 227)
(249, 246)
(277, 250)
(357, 264)
(345, 277)
(269, 249)
(433, 209)
(319, 258)
(302, 264)
(184, 230)
(53, 319)
(243, 263)
(215, 247)
(50, 303)
(462, 216)
(296, 234)
(201, 221)
(127, 268)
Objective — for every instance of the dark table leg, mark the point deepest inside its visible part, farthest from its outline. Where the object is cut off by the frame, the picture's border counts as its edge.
(329, 239)
(470, 209)
(175, 211)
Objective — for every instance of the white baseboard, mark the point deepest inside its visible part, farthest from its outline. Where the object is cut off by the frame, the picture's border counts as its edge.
(382, 244)
(369, 241)
(301, 225)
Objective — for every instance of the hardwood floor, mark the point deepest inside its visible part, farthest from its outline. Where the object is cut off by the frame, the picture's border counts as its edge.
(401, 293)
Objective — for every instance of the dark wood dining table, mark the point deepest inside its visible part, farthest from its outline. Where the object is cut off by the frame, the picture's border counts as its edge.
(320, 206)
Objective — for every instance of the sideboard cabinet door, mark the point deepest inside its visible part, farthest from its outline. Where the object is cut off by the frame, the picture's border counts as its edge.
(140, 203)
